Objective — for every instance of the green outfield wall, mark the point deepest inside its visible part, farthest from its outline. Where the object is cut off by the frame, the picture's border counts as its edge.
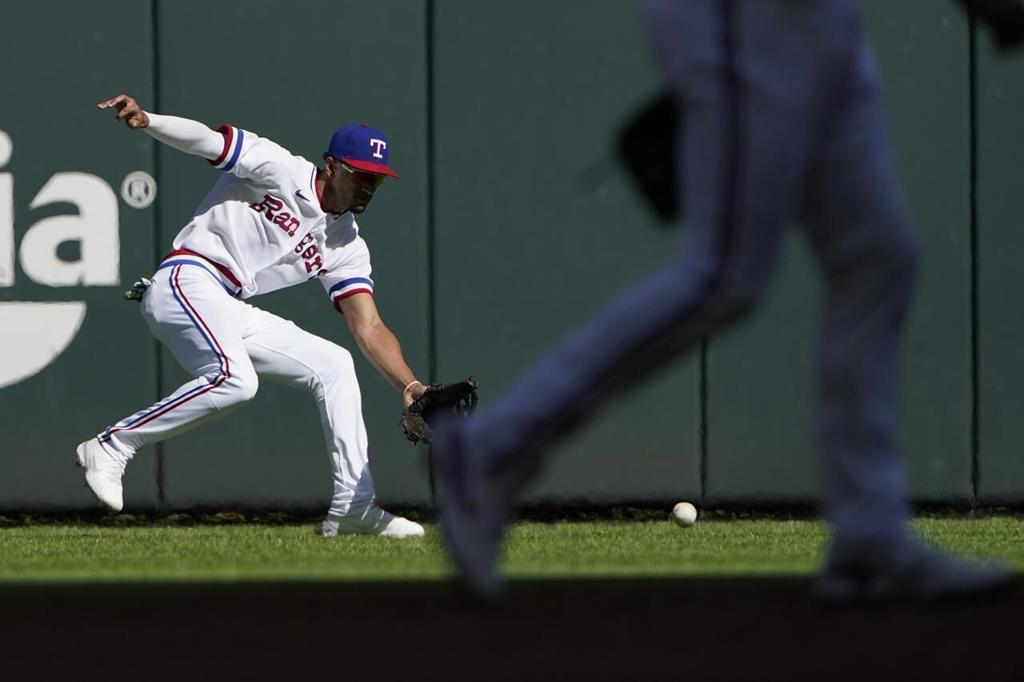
(511, 223)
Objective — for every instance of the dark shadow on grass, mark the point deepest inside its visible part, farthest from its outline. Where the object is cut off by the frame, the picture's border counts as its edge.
(545, 512)
(689, 629)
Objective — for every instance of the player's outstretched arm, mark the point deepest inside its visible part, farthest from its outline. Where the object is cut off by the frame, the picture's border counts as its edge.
(183, 134)
(379, 345)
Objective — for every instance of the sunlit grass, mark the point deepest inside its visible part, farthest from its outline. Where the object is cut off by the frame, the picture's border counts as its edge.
(239, 552)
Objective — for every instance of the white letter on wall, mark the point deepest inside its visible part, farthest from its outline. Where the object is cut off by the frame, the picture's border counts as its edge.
(95, 228)
(6, 214)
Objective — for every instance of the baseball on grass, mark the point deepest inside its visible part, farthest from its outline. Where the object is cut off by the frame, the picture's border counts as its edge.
(684, 514)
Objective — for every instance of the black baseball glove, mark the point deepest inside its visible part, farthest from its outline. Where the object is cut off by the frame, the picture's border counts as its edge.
(437, 402)
(1004, 20)
(138, 289)
(647, 145)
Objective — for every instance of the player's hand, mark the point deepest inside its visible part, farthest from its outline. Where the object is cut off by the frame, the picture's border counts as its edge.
(437, 402)
(128, 110)
(413, 393)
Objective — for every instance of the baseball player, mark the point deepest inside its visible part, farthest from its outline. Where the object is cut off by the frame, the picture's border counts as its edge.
(272, 220)
(782, 121)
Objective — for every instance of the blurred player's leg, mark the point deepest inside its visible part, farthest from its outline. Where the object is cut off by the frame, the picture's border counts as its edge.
(282, 351)
(868, 256)
(751, 107)
(188, 310)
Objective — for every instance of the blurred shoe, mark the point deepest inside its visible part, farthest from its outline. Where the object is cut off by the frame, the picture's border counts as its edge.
(372, 520)
(103, 473)
(910, 571)
(475, 505)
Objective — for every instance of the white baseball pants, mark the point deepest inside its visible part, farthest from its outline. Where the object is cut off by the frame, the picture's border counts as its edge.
(226, 345)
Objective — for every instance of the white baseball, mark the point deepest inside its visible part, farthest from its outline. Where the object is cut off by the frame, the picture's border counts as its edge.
(684, 514)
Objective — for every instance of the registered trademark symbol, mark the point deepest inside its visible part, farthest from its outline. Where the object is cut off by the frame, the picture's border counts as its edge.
(138, 189)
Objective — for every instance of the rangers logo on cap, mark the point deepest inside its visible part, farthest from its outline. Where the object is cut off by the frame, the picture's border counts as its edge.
(362, 147)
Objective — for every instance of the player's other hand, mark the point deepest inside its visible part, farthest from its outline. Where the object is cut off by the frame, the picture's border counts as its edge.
(414, 392)
(128, 110)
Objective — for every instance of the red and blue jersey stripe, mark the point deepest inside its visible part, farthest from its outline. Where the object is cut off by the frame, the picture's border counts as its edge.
(350, 287)
(221, 273)
(233, 139)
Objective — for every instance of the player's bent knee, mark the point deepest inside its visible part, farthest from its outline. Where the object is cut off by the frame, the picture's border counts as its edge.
(703, 291)
(238, 389)
(737, 305)
(898, 257)
(341, 361)
(908, 251)
(331, 365)
(734, 299)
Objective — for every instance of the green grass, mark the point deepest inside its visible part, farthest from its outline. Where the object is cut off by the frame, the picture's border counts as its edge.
(238, 552)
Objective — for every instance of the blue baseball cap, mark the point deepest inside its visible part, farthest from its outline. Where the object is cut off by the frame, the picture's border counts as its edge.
(362, 147)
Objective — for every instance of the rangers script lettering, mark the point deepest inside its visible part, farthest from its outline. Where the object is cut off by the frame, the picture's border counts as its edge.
(270, 207)
(310, 253)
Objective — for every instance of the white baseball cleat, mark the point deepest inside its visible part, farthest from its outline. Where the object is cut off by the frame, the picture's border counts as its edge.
(371, 521)
(103, 473)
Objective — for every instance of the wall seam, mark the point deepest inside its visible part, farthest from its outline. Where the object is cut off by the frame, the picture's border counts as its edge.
(430, 218)
(703, 420)
(157, 241)
(972, 82)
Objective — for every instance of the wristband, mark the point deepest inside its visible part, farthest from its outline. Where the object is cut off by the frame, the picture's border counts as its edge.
(414, 381)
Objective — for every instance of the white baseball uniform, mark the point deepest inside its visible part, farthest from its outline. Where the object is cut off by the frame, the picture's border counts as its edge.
(259, 229)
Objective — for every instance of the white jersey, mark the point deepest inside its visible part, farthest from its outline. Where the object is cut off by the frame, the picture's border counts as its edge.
(261, 225)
